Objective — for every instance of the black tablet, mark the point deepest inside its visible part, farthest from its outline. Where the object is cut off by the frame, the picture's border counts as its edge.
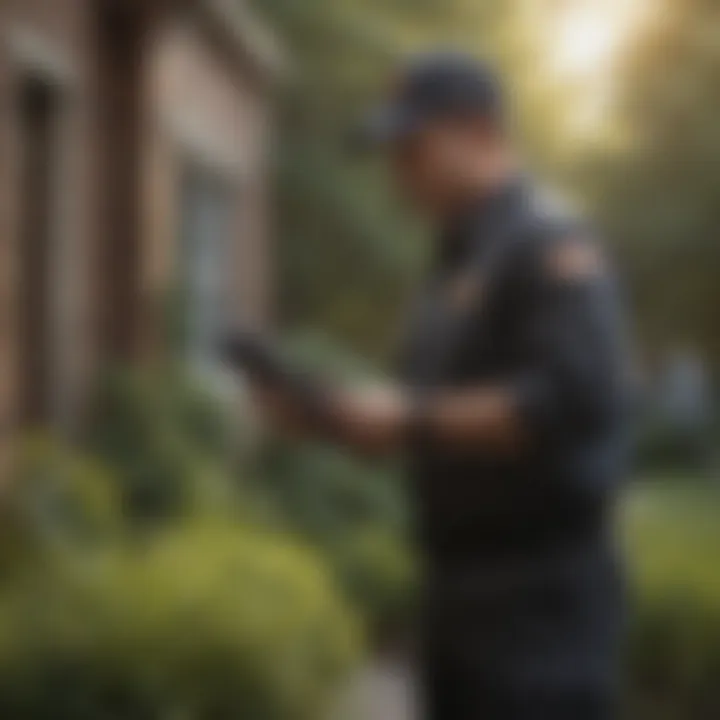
(247, 352)
(253, 355)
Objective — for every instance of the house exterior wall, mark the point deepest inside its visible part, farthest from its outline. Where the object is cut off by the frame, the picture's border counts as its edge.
(50, 40)
(195, 101)
(205, 111)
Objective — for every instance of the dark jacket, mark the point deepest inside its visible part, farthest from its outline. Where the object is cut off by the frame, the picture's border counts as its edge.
(500, 309)
(523, 585)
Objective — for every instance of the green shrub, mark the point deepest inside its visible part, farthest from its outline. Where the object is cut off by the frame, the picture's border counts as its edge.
(355, 514)
(203, 618)
(57, 501)
(674, 654)
(169, 443)
(62, 492)
(166, 439)
(379, 574)
(662, 447)
(205, 621)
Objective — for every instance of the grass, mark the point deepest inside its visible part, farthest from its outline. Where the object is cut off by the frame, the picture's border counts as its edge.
(673, 532)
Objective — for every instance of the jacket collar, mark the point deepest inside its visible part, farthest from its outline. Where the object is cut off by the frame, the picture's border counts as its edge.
(471, 226)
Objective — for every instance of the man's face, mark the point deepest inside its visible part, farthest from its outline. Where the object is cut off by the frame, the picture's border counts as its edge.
(437, 165)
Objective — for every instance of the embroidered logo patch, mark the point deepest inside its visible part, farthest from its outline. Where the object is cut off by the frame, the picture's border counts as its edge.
(575, 260)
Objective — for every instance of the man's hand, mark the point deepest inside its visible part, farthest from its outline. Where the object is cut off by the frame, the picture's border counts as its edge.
(368, 419)
(373, 419)
(377, 419)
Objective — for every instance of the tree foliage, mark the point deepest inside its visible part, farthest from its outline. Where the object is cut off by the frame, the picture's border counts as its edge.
(348, 254)
(648, 169)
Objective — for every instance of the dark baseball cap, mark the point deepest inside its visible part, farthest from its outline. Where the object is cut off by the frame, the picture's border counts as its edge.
(432, 86)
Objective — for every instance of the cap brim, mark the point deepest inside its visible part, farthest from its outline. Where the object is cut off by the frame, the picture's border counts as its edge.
(383, 126)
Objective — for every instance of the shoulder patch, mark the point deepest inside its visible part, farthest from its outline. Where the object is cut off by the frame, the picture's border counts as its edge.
(574, 259)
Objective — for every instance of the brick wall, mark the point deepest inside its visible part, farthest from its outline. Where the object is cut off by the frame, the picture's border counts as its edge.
(115, 227)
(50, 40)
(206, 109)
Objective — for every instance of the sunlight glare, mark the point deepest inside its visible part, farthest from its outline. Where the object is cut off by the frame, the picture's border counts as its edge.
(588, 34)
(585, 39)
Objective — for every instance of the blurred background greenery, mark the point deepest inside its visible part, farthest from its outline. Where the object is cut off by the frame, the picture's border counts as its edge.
(171, 567)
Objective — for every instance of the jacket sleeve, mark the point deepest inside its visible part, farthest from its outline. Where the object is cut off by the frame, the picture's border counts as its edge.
(572, 375)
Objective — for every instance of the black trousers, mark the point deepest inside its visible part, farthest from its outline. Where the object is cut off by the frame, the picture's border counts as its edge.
(536, 643)
(449, 693)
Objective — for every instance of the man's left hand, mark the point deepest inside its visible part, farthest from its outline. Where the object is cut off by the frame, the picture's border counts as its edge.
(368, 419)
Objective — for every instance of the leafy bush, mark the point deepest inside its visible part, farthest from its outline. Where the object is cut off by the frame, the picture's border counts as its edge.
(662, 446)
(204, 621)
(61, 492)
(355, 515)
(206, 617)
(379, 574)
(160, 432)
(355, 512)
(674, 655)
(168, 443)
(214, 614)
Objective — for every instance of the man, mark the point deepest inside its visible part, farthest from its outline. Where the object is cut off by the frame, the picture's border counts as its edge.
(510, 408)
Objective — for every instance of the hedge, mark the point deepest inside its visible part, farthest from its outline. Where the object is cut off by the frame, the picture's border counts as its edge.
(674, 653)
(200, 622)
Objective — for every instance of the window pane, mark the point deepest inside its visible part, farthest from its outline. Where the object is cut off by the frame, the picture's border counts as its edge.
(205, 257)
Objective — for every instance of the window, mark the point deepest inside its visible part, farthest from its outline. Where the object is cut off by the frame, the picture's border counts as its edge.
(205, 261)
